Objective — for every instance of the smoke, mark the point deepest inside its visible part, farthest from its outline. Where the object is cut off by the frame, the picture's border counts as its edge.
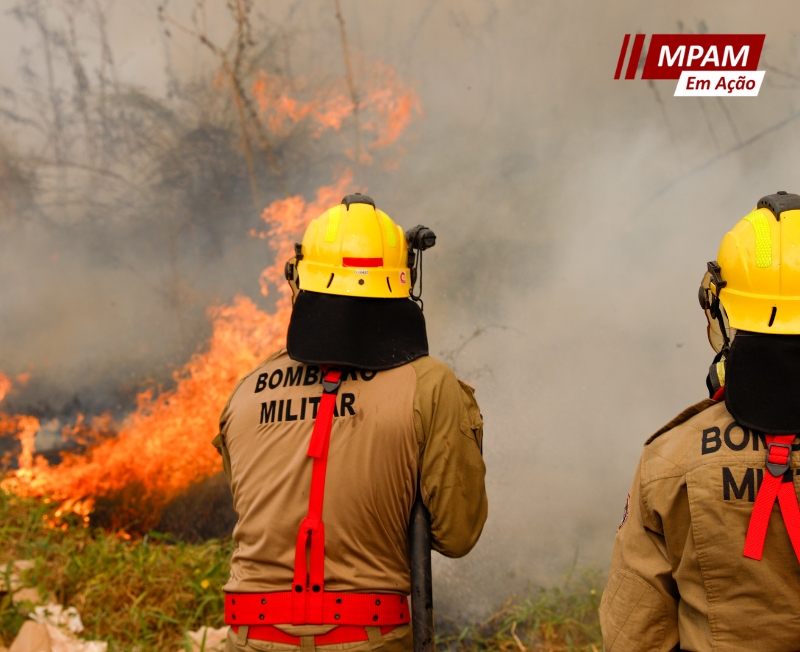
(575, 215)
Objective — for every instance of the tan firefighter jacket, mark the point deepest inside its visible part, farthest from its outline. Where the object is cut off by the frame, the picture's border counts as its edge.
(388, 428)
(678, 577)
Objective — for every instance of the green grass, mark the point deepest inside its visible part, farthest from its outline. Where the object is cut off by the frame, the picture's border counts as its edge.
(138, 594)
(144, 594)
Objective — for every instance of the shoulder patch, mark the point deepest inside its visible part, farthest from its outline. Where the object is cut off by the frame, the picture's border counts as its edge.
(684, 416)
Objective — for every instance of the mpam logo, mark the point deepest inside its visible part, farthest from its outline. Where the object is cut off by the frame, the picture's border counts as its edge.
(703, 64)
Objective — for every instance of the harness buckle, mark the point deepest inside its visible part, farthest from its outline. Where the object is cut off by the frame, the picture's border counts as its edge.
(331, 386)
(778, 468)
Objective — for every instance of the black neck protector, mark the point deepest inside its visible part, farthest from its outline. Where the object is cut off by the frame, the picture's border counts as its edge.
(762, 382)
(372, 334)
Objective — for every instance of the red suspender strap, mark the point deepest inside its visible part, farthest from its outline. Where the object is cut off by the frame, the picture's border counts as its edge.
(778, 483)
(308, 603)
(308, 587)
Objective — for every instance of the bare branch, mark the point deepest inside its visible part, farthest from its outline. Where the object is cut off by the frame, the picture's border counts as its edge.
(244, 105)
(350, 81)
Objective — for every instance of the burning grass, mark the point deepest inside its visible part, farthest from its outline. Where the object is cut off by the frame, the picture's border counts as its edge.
(144, 594)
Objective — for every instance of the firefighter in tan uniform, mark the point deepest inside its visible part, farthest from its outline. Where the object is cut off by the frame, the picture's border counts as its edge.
(708, 553)
(326, 443)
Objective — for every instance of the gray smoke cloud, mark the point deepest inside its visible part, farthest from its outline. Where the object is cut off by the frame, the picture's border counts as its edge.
(575, 215)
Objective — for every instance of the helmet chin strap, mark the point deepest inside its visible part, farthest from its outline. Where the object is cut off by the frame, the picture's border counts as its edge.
(716, 372)
(418, 239)
(416, 275)
(716, 313)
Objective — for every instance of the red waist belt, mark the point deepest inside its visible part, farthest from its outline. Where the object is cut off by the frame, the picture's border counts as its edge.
(360, 609)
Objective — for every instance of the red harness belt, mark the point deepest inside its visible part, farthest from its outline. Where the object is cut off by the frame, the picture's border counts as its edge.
(362, 609)
(778, 483)
(308, 603)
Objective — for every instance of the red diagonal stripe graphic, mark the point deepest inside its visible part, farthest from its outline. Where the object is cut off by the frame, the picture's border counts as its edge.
(622, 53)
(636, 53)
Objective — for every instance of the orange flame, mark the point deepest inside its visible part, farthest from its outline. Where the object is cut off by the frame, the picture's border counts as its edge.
(24, 428)
(165, 444)
(386, 104)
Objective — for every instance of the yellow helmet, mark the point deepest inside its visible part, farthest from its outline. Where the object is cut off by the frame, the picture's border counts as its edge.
(353, 249)
(756, 277)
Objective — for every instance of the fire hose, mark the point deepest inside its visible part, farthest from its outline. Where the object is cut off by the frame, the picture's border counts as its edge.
(421, 577)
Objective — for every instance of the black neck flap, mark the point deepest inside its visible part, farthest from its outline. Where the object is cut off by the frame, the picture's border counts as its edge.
(762, 382)
(359, 332)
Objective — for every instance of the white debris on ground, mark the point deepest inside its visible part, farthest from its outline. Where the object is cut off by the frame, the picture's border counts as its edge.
(53, 629)
(208, 639)
(33, 637)
(62, 641)
(55, 615)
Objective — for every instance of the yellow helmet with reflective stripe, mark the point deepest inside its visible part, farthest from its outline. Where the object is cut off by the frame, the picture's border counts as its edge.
(756, 277)
(353, 249)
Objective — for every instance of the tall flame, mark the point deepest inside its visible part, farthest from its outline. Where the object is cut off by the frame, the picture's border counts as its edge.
(164, 445)
(22, 426)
